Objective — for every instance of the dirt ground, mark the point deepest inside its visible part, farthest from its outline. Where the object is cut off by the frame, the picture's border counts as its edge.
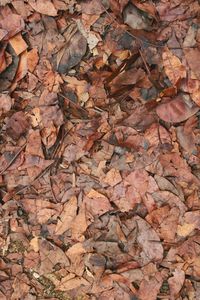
(99, 150)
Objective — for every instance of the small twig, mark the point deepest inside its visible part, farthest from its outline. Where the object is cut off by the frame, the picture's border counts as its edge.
(13, 159)
(34, 180)
(145, 64)
(51, 186)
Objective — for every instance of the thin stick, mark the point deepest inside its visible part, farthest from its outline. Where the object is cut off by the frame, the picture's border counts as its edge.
(13, 159)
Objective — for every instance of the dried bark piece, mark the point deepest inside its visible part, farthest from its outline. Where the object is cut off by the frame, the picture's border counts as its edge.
(17, 125)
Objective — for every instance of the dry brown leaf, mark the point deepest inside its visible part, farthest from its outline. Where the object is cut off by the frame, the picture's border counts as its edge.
(18, 43)
(113, 177)
(13, 24)
(176, 283)
(67, 216)
(192, 57)
(173, 67)
(149, 241)
(177, 110)
(150, 287)
(17, 125)
(74, 50)
(191, 221)
(96, 203)
(50, 255)
(5, 103)
(34, 144)
(73, 283)
(45, 7)
(21, 286)
(80, 224)
(32, 59)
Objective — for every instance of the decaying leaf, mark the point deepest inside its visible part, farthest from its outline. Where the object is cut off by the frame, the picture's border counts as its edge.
(5, 103)
(177, 110)
(73, 51)
(67, 216)
(17, 125)
(99, 149)
(45, 7)
(192, 57)
(176, 282)
(173, 67)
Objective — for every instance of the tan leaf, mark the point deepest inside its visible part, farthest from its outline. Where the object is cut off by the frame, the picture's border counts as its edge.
(32, 59)
(18, 43)
(35, 244)
(96, 203)
(176, 283)
(113, 177)
(73, 283)
(185, 229)
(67, 216)
(173, 67)
(80, 224)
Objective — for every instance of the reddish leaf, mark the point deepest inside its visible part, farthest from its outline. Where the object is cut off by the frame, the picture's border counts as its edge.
(177, 110)
(192, 55)
(17, 125)
(45, 7)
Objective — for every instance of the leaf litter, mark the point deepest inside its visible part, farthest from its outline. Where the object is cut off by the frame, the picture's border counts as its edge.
(100, 135)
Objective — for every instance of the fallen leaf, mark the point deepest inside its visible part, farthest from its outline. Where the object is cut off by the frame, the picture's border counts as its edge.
(18, 44)
(134, 18)
(150, 287)
(192, 57)
(50, 255)
(176, 283)
(32, 59)
(17, 125)
(45, 7)
(177, 110)
(191, 221)
(6, 103)
(113, 177)
(96, 203)
(67, 216)
(34, 144)
(13, 24)
(149, 241)
(74, 50)
(21, 286)
(74, 283)
(173, 67)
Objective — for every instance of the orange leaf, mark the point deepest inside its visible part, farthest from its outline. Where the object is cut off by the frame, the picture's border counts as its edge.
(173, 67)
